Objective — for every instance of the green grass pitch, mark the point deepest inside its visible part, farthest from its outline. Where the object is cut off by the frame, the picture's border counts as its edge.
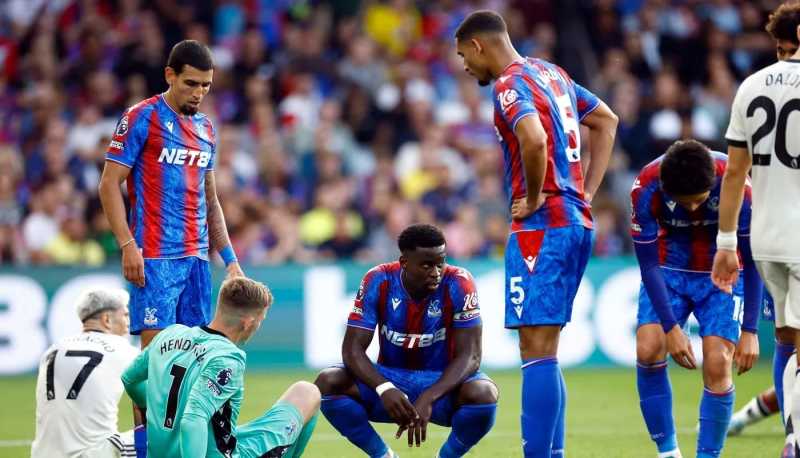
(603, 418)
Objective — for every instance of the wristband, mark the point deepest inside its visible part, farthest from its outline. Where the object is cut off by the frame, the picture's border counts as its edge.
(726, 241)
(126, 243)
(384, 387)
(228, 256)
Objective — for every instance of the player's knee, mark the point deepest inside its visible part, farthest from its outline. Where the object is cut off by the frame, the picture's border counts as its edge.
(650, 350)
(717, 370)
(785, 335)
(478, 392)
(305, 396)
(333, 380)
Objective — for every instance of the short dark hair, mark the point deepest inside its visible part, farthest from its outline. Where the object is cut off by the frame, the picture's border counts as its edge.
(783, 22)
(244, 295)
(687, 168)
(420, 236)
(479, 22)
(190, 52)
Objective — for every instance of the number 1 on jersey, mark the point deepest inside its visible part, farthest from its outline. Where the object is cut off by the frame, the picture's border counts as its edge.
(177, 373)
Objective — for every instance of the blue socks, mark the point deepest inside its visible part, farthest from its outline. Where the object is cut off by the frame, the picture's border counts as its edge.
(350, 418)
(541, 405)
(140, 441)
(655, 400)
(557, 449)
(715, 414)
(470, 423)
(781, 356)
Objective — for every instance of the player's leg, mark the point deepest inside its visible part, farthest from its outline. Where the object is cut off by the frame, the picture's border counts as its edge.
(473, 416)
(716, 404)
(784, 349)
(543, 271)
(284, 430)
(345, 410)
(789, 374)
(763, 405)
(653, 386)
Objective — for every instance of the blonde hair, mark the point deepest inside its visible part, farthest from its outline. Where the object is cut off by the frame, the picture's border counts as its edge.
(244, 295)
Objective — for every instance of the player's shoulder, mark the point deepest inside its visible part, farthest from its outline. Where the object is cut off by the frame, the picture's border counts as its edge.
(649, 175)
(758, 80)
(383, 271)
(456, 273)
(145, 105)
(720, 162)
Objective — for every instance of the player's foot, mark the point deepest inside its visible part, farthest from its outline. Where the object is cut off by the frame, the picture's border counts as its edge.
(671, 454)
(736, 426)
(788, 451)
(391, 454)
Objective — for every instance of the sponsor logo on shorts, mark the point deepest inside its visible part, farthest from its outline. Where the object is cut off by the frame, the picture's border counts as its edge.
(150, 316)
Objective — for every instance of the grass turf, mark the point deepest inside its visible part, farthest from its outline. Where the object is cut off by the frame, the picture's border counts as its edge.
(603, 418)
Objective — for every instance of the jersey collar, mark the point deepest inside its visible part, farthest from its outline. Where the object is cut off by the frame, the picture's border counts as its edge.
(213, 331)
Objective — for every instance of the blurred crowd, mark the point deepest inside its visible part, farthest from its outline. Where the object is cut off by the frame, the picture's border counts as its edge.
(340, 122)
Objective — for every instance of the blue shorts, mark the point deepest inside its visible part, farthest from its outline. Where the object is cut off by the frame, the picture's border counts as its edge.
(176, 291)
(717, 312)
(412, 383)
(543, 271)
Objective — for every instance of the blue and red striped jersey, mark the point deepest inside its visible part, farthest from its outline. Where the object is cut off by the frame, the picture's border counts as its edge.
(687, 240)
(169, 155)
(415, 335)
(538, 87)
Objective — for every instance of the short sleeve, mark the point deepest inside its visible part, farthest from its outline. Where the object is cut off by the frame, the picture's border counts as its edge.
(221, 378)
(586, 101)
(513, 99)
(129, 137)
(464, 296)
(365, 308)
(212, 139)
(644, 225)
(736, 134)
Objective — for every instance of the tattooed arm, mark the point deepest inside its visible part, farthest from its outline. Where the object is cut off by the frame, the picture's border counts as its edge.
(217, 231)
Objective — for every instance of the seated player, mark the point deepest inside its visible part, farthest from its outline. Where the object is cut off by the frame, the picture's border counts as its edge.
(195, 386)
(429, 326)
(78, 388)
(674, 224)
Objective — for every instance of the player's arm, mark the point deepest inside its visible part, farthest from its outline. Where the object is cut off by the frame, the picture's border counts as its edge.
(134, 379)
(602, 124)
(533, 149)
(220, 380)
(354, 355)
(217, 230)
(747, 350)
(644, 231)
(114, 174)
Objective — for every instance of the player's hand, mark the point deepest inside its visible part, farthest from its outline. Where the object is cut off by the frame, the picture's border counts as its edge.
(746, 353)
(725, 271)
(680, 348)
(233, 270)
(133, 264)
(418, 432)
(399, 407)
(521, 208)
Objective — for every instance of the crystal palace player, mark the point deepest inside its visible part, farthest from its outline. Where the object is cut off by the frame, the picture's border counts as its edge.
(429, 326)
(538, 109)
(165, 149)
(675, 203)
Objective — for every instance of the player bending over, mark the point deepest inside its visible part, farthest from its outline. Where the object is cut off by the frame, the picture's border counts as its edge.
(191, 380)
(78, 387)
(675, 203)
(429, 328)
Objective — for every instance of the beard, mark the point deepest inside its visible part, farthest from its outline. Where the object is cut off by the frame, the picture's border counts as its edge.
(188, 110)
(484, 82)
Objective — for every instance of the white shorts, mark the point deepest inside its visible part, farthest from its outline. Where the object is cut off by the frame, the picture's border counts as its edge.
(116, 446)
(783, 283)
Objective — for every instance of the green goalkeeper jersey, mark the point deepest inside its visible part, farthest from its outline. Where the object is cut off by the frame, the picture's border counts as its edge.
(193, 391)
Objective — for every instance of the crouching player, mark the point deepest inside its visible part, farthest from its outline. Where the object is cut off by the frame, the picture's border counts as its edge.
(674, 224)
(195, 385)
(429, 326)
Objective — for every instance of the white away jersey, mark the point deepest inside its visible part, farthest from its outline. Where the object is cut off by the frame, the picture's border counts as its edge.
(764, 119)
(77, 393)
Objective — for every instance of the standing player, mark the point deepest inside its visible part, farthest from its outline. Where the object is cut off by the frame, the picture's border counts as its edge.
(192, 382)
(165, 150)
(429, 325)
(675, 202)
(759, 136)
(78, 388)
(538, 109)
